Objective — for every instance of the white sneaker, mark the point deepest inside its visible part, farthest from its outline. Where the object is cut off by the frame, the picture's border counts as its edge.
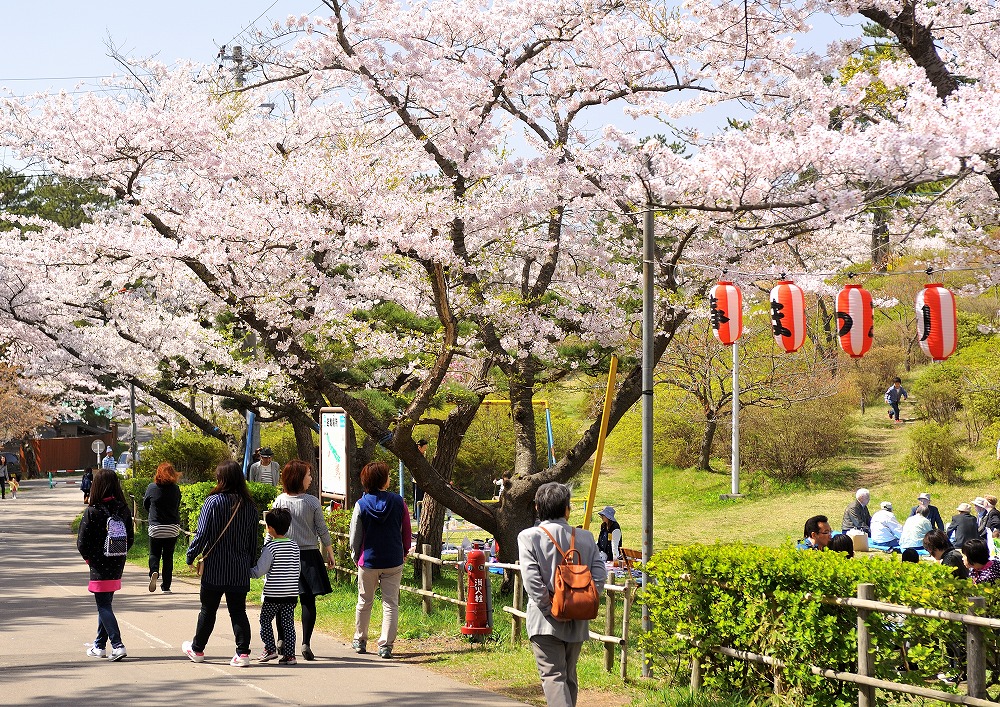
(117, 654)
(240, 660)
(95, 652)
(191, 653)
(152, 580)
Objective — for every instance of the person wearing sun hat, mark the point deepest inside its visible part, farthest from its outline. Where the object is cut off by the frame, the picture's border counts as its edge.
(963, 525)
(933, 514)
(609, 542)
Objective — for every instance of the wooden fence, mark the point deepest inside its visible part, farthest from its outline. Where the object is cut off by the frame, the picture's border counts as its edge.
(425, 562)
(865, 605)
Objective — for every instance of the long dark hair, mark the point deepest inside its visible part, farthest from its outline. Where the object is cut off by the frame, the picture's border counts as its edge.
(230, 479)
(106, 485)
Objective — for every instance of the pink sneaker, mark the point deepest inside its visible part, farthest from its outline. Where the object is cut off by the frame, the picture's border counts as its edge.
(191, 653)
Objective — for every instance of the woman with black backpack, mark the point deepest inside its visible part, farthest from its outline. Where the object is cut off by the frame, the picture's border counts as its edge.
(105, 536)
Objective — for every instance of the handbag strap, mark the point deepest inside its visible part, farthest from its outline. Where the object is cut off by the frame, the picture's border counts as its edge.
(572, 545)
(235, 511)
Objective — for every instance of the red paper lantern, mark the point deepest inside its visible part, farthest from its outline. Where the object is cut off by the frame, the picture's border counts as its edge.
(855, 320)
(726, 302)
(788, 315)
(937, 321)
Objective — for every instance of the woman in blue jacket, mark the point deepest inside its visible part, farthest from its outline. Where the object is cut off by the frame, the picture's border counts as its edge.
(380, 541)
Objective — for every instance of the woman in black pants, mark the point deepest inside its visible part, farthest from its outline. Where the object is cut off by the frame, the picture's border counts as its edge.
(227, 541)
(309, 531)
(163, 504)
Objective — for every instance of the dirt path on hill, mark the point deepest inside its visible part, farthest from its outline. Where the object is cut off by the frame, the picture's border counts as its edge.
(877, 441)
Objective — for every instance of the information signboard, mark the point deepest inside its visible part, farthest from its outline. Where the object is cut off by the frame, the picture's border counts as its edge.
(333, 452)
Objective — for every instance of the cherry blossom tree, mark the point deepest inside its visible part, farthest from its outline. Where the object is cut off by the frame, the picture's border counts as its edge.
(452, 188)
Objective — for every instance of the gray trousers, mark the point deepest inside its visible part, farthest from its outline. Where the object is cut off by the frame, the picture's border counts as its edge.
(556, 661)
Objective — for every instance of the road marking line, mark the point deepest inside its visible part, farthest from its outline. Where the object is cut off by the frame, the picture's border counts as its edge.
(147, 634)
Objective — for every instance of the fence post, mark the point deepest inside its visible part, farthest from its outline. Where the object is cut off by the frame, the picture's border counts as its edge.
(695, 674)
(426, 577)
(515, 620)
(609, 626)
(976, 666)
(626, 611)
(866, 693)
(461, 584)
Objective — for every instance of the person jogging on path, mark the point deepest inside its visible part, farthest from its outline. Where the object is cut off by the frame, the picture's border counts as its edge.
(893, 395)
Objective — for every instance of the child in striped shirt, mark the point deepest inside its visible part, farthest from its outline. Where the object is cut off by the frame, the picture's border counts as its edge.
(279, 560)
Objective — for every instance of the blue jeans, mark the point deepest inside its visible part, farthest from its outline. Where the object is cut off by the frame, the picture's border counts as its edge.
(894, 410)
(107, 624)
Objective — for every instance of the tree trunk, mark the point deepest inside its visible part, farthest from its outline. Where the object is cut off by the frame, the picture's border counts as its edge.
(446, 450)
(517, 513)
(523, 415)
(707, 437)
(306, 448)
(880, 240)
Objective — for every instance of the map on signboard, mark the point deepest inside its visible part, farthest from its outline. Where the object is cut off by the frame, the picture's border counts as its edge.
(333, 452)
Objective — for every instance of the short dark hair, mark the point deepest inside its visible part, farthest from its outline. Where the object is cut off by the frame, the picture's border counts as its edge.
(279, 519)
(812, 525)
(293, 476)
(422, 442)
(551, 501)
(842, 543)
(975, 551)
(896, 380)
(936, 540)
(374, 476)
(910, 554)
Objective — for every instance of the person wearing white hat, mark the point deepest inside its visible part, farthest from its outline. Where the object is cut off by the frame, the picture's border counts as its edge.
(963, 525)
(886, 529)
(933, 514)
(609, 541)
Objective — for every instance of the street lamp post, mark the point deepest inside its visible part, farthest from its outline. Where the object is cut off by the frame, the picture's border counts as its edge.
(647, 411)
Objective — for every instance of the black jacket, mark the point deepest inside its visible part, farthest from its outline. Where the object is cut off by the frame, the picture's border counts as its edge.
(163, 504)
(965, 528)
(93, 531)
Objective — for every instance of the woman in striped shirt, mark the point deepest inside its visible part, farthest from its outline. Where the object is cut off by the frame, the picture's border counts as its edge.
(227, 540)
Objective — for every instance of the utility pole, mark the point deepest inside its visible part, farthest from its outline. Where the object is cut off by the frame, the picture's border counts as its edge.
(238, 59)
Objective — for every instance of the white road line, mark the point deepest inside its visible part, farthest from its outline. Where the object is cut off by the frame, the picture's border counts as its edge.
(147, 634)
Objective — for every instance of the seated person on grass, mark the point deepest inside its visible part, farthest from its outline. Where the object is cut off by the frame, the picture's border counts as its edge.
(885, 528)
(816, 534)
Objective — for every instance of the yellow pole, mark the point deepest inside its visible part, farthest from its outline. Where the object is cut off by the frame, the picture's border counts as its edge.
(605, 415)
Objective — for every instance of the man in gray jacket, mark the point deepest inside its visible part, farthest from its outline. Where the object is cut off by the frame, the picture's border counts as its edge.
(556, 644)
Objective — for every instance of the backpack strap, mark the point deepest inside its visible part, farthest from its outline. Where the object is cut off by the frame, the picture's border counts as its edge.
(554, 542)
(567, 555)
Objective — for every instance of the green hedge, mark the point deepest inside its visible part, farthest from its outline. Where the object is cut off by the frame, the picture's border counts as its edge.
(767, 601)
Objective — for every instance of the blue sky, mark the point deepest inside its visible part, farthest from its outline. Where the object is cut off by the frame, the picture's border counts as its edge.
(69, 41)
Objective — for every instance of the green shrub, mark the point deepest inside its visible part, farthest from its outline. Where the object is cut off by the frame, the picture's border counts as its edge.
(193, 454)
(933, 453)
(281, 440)
(938, 401)
(789, 443)
(768, 601)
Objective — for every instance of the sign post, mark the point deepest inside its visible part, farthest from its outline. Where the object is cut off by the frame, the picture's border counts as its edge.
(97, 446)
(333, 456)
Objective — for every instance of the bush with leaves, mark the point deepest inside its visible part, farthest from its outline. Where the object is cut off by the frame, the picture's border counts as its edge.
(193, 454)
(193, 498)
(789, 443)
(769, 601)
(933, 453)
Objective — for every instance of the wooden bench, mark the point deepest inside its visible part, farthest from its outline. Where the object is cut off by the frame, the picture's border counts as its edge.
(631, 557)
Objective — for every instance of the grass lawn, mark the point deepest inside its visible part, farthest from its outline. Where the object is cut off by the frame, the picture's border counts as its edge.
(687, 507)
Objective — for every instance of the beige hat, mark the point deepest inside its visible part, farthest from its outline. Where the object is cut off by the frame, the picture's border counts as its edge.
(924, 496)
(979, 501)
(963, 508)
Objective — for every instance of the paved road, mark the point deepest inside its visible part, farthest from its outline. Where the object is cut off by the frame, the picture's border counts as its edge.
(47, 617)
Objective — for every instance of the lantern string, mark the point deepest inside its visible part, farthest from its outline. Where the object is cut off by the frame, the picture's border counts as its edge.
(771, 275)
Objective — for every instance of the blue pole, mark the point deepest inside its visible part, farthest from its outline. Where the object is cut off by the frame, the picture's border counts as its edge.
(548, 432)
(248, 451)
